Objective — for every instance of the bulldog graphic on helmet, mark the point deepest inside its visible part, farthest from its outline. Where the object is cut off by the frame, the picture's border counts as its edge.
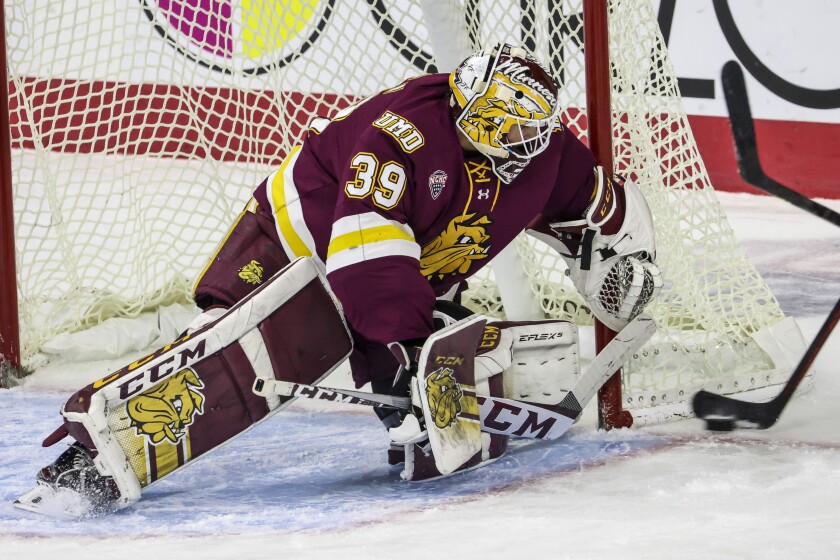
(507, 105)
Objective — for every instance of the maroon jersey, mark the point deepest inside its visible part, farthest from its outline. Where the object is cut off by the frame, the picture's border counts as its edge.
(397, 214)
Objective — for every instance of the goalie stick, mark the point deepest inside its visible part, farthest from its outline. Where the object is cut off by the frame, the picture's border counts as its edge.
(499, 415)
(723, 413)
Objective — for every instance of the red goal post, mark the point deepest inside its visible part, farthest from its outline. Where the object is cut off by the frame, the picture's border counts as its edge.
(139, 129)
(599, 114)
(9, 323)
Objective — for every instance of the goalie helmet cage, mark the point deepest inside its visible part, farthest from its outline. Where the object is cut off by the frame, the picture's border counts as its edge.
(140, 128)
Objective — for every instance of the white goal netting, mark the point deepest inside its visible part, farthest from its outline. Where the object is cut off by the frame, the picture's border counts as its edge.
(140, 129)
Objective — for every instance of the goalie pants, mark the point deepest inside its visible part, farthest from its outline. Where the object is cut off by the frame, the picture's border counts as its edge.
(250, 253)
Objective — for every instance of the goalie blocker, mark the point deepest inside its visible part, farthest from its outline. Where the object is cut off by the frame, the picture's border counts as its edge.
(454, 427)
(165, 410)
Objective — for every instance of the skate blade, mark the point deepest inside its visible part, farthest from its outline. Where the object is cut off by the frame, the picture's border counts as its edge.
(60, 503)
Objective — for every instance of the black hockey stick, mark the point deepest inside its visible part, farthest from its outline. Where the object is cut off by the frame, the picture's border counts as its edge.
(724, 413)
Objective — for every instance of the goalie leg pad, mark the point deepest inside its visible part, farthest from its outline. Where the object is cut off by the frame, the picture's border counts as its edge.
(188, 414)
(161, 412)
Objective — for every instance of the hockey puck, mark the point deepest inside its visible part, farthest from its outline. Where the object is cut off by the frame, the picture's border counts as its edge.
(720, 425)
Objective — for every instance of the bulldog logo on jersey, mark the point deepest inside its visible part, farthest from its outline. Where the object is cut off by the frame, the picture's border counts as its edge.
(163, 412)
(437, 181)
(464, 241)
(252, 273)
(444, 395)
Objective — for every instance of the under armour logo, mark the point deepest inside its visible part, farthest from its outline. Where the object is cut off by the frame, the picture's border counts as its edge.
(483, 194)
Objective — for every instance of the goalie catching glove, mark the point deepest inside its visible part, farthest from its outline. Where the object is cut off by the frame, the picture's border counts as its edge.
(610, 252)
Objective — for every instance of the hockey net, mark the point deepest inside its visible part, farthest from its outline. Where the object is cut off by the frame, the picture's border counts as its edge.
(140, 128)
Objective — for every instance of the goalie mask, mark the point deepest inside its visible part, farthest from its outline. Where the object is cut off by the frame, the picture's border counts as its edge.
(506, 105)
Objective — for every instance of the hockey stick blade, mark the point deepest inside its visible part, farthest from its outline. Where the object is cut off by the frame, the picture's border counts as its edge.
(500, 415)
(723, 413)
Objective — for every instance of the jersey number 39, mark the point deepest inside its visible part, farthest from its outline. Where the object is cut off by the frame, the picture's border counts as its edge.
(386, 182)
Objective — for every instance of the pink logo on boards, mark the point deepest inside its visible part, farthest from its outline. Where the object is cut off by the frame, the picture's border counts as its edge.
(437, 181)
(239, 36)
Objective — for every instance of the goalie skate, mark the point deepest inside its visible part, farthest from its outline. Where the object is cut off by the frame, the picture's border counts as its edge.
(70, 488)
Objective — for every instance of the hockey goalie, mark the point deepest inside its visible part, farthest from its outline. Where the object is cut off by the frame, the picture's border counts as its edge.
(356, 248)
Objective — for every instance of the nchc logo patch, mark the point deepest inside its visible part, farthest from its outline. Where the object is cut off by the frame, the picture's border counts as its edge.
(437, 181)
